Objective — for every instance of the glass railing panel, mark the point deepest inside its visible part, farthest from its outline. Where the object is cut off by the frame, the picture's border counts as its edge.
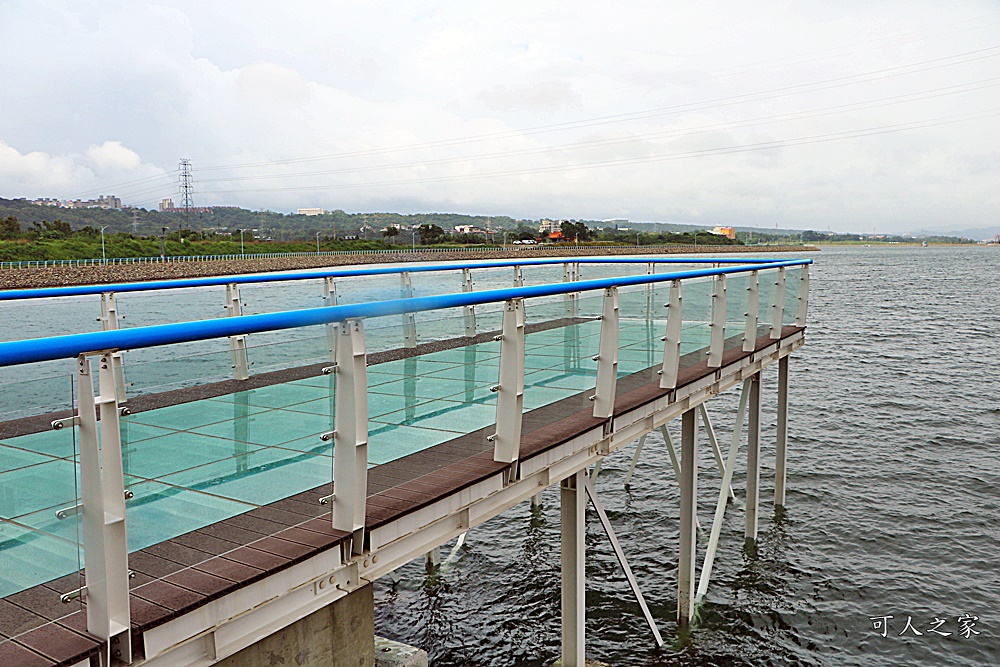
(640, 328)
(793, 285)
(158, 369)
(138, 309)
(42, 556)
(696, 308)
(765, 300)
(39, 318)
(737, 299)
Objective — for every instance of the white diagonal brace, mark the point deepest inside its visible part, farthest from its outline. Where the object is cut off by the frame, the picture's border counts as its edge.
(710, 431)
(610, 532)
(635, 459)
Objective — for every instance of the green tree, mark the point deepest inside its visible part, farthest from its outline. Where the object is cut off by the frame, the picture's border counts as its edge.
(430, 234)
(10, 228)
(575, 230)
(390, 233)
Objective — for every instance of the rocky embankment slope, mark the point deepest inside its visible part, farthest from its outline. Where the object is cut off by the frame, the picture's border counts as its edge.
(57, 276)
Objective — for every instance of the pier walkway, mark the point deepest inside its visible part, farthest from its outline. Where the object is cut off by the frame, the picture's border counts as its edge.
(154, 511)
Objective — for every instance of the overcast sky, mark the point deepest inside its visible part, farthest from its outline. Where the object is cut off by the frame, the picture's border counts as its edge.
(844, 115)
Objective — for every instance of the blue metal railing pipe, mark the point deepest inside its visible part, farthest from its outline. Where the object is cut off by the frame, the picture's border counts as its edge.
(67, 347)
(243, 279)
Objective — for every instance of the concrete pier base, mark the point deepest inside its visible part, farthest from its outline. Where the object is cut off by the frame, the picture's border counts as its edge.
(394, 654)
(340, 635)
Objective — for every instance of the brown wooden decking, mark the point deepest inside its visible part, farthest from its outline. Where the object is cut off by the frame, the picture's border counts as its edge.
(179, 575)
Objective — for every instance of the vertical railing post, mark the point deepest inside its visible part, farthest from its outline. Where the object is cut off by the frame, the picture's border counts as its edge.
(510, 388)
(350, 438)
(571, 273)
(803, 309)
(109, 322)
(689, 518)
(781, 441)
(607, 358)
(573, 505)
(753, 308)
(650, 291)
(237, 344)
(102, 496)
(330, 299)
(753, 462)
(718, 324)
(518, 277)
(672, 341)
(409, 320)
(470, 311)
(778, 314)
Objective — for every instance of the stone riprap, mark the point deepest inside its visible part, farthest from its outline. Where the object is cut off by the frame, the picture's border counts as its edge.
(58, 276)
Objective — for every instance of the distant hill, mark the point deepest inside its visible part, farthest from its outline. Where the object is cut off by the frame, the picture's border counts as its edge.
(976, 233)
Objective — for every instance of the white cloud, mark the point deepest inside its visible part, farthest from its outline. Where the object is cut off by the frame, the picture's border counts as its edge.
(494, 109)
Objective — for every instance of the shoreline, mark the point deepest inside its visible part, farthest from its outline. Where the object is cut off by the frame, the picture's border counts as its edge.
(64, 276)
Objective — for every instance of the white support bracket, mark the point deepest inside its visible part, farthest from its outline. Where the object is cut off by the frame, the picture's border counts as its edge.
(607, 359)
(470, 311)
(778, 312)
(510, 401)
(409, 319)
(350, 440)
(718, 324)
(237, 344)
(613, 539)
(803, 310)
(672, 341)
(752, 314)
(330, 299)
(109, 322)
(102, 494)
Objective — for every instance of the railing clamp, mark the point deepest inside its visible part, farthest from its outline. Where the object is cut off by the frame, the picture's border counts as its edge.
(329, 435)
(326, 370)
(59, 424)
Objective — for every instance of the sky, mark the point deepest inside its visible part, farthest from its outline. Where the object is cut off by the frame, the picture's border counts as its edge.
(846, 116)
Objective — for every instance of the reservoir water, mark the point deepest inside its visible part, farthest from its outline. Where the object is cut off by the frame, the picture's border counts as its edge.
(893, 506)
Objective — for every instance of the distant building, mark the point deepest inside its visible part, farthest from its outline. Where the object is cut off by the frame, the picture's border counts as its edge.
(614, 222)
(546, 226)
(728, 232)
(469, 229)
(104, 201)
(45, 201)
(166, 205)
(310, 211)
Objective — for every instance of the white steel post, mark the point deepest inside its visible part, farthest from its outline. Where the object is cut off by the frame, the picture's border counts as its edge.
(109, 322)
(470, 311)
(672, 341)
(635, 459)
(409, 320)
(518, 277)
(330, 299)
(718, 324)
(753, 309)
(778, 313)
(800, 318)
(753, 462)
(350, 439)
(510, 401)
(710, 432)
(573, 505)
(720, 506)
(782, 434)
(675, 463)
(571, 273)
(607, 358)
(650, 291)
(237, 344)
(689, 513)
(102, 495)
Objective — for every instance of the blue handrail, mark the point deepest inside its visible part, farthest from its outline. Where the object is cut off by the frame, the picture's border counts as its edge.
(243, 279)
(67, 347)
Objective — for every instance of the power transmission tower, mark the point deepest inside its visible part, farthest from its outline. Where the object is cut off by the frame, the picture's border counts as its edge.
(135, 222)
(186, 187)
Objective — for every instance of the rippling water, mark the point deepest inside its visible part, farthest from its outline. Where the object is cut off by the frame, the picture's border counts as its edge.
(893, 504)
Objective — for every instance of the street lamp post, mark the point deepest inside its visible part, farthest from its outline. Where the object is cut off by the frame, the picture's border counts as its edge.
(637, 239)
(317, 242)
(163, 250)
(242, 250)
(505, 240)
(413, 240)
(104, 255)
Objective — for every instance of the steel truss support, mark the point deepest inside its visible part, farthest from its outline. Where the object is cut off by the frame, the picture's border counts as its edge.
(409, 319)
(102, 495)
(689, 515)
(607, 358)
(470, 311)
(718, 324)
(350, 439)
(672, 341)
(753, 461)
(752, 314)
(610, 532)
(237, 344)
(675, 462)
(778, 309)
(635, 459)
(712, 440)
(510, 401)
(330, 299)
(109, 322)
(573, 505)
(720, 506)
(780, 450)
(571, 273)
